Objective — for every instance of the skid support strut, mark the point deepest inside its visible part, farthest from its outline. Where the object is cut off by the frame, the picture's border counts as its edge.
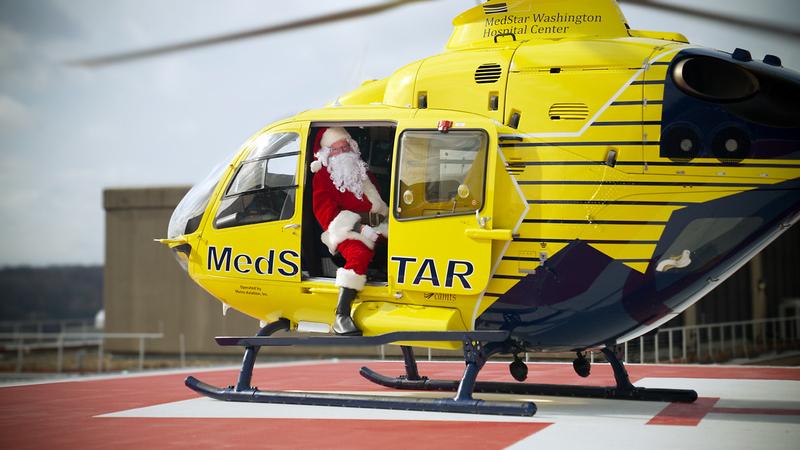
(476, 353)
(623, 390)
(250, 354)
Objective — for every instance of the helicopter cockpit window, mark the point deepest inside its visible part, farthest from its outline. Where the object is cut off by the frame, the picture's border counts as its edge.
(440, 173)
(187, 216)
(264, 187)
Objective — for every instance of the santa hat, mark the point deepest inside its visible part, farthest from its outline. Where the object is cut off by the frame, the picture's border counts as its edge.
(325, 138)
(333, 135)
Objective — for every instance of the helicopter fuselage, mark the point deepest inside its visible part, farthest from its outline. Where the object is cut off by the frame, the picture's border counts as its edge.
(576, 189)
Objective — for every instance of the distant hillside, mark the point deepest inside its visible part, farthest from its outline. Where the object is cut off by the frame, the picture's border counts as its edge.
(61, 292)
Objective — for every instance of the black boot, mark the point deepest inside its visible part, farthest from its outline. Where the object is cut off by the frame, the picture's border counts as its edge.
(344, 325)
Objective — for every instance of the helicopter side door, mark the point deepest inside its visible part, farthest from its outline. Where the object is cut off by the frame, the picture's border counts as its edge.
(441, 230)
(255, 232)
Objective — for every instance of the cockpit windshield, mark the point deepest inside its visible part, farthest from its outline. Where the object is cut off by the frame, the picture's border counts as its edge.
(187, 216)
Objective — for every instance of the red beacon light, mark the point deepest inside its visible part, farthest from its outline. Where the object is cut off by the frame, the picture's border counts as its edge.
(445, 125)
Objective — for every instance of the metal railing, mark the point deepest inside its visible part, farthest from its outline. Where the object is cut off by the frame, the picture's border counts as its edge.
(47, 326)
(26, 341)
(716, 343)
(713, 343)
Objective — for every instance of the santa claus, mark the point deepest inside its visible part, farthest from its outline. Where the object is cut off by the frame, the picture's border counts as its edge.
(349, 207)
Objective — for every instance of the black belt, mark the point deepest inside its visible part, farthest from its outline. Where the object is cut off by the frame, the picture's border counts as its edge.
(370, 218)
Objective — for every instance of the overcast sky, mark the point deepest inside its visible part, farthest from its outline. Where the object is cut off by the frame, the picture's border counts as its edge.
(67, 133)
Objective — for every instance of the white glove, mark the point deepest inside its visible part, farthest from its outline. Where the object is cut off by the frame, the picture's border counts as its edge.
(383, 228)
(370, 233)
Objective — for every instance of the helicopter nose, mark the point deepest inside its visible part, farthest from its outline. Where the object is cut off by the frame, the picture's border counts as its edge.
(182, 253)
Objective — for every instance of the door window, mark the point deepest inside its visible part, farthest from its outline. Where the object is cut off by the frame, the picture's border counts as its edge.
(440, 173)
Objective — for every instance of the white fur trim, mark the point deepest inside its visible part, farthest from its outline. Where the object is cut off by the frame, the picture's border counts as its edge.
(321, 159)
(378, 206)
(333, 135)
(341, 229)
(347, 278)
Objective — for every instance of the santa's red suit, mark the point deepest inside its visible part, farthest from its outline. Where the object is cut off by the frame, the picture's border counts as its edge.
(337, 212)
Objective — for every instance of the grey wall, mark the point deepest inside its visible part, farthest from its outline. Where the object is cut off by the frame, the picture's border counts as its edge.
(144, 285)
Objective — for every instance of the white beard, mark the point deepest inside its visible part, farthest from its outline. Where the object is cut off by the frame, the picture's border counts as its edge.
(348, 173)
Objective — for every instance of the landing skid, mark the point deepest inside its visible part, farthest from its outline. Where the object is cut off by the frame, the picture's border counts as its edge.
(478, 347)
(476, 354)
(623, 390)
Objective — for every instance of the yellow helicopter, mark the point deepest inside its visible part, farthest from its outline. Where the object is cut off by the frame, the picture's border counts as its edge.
(556, 182)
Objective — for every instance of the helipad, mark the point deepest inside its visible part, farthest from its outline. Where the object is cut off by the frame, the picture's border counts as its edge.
(739, 407)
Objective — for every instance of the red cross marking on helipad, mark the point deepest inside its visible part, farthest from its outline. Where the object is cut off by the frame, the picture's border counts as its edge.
(690, 414)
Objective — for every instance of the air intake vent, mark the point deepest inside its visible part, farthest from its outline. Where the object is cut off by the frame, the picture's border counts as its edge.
(497, 8)
(680, 144)
(488, 73)
(515, 169)
(569, 111)
(731, 145)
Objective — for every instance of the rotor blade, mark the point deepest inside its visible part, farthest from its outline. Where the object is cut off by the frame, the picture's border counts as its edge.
(335, 17)
(728, 20)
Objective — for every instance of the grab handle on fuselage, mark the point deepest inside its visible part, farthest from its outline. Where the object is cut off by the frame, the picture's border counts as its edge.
(496, 235)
